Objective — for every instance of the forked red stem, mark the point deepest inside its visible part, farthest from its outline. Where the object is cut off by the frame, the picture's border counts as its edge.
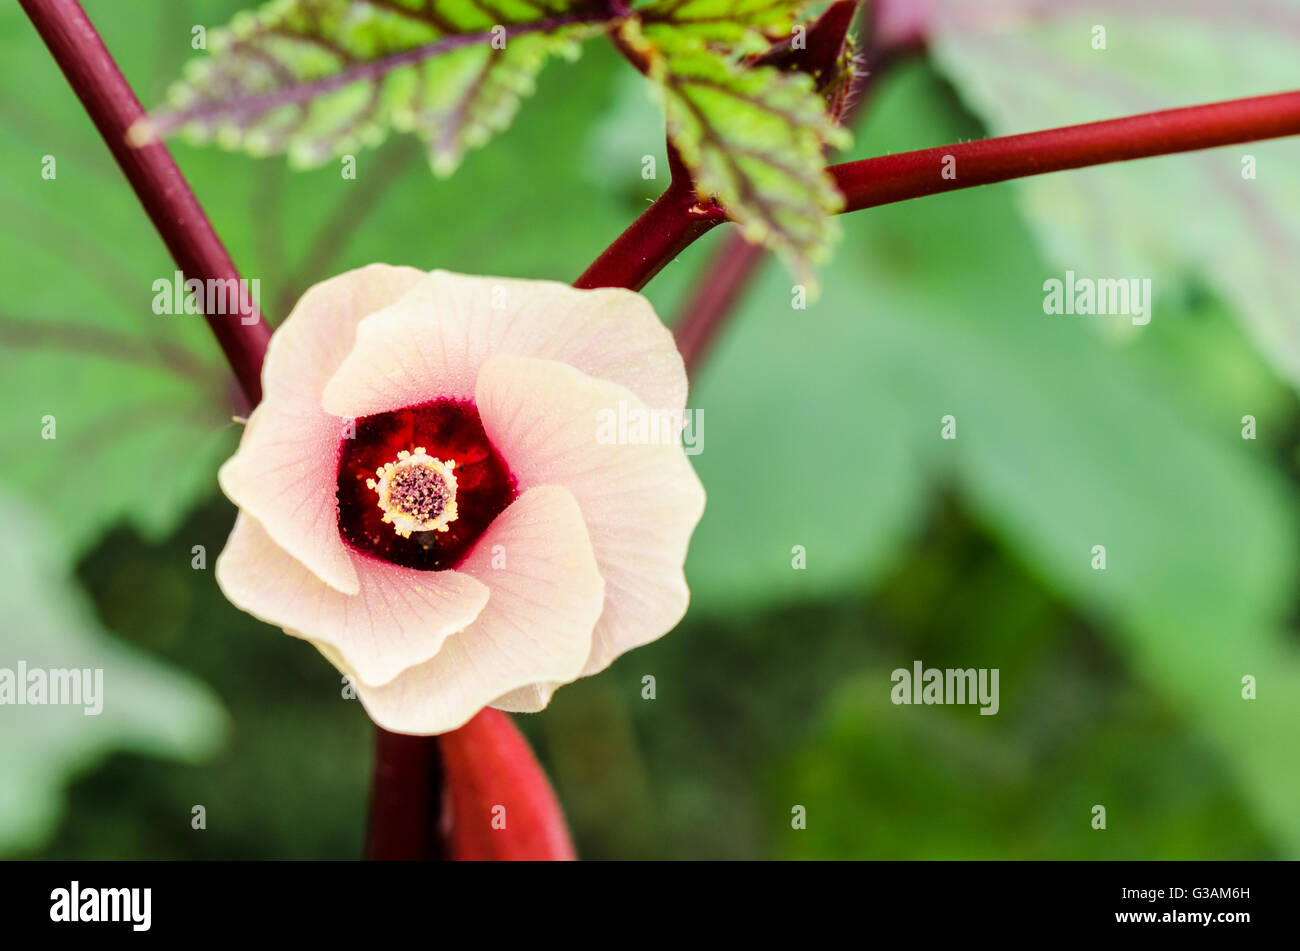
(662, 232)
(891, 178)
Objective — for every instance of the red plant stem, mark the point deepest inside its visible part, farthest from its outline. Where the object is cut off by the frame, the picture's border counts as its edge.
(474, 794)
(891, 178)
(162, 190)
(664, 230)
(404, 790)
(497, 803)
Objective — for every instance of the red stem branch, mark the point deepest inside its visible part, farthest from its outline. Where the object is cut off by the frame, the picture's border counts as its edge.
(664, 230)
(891, 178)
(162, 190)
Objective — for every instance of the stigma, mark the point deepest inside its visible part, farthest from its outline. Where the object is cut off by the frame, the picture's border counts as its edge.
(417, 493)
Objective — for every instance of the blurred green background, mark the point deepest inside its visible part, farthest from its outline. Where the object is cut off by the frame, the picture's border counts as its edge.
(822, 429)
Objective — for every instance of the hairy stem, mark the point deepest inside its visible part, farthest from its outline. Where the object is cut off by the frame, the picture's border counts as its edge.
(162, 190)
(675, 220)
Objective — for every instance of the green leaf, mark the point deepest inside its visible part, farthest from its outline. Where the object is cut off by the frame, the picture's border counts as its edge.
(753, 137)
(742, 26)
(144, 706)
(1115, 220)
(322, 78)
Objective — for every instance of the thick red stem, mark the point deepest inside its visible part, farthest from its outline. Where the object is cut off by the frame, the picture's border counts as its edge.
(162, 190)
(404, 791)
(476, 793)
(497, 803)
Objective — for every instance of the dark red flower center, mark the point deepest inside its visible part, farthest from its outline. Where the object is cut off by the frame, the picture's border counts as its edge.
(428, 464)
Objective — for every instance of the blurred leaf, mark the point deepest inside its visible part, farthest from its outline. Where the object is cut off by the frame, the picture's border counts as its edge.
(967, 786)
(146, 706)
(1115, 221)
(141, 402)
(297, 735)
(132, 439)
(1066, 440)
(753, 137)
(621, 139)
(802, 717)
(320, 78)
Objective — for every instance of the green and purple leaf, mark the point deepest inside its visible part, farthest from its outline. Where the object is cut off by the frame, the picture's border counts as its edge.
(317, 79)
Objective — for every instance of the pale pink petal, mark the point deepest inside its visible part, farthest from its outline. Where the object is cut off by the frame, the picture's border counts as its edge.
(285, 468)
(284, 474)
(546, 596)
(640, 500)
(399, 617)
(431, 343)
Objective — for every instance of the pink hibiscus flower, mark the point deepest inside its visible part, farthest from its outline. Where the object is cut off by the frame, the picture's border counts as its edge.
(424, 493)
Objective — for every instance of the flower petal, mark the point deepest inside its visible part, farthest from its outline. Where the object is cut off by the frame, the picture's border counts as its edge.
(285, 468)
(546, 596)
(640, 500)
(431, 343)
(531, 699)
(399, 617)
